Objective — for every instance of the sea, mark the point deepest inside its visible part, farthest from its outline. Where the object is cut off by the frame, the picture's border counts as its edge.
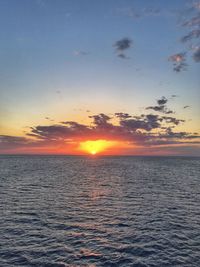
(58, 211)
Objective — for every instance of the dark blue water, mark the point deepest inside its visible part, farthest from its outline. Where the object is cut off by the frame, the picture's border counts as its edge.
(101, 211)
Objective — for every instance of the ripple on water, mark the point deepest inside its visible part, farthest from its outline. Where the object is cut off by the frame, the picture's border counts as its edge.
(107, 211)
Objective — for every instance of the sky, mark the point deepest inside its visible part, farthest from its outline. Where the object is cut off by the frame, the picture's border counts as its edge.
(122, 71)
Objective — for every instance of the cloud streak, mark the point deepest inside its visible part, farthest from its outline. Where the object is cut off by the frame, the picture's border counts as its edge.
(80, 53)
(136, 13)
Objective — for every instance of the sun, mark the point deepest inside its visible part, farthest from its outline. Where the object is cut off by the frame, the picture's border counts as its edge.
(95, 147)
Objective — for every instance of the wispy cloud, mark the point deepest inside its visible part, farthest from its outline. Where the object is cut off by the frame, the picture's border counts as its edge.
(190, 21)
(136, 13)
(191, 35)
(80, 53)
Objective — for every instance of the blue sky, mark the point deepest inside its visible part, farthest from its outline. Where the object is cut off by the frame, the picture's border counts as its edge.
(59, 59)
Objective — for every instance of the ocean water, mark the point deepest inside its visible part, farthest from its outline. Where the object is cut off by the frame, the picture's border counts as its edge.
(99, 211)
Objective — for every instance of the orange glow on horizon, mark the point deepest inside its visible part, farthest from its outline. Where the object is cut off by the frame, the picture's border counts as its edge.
(96, 147)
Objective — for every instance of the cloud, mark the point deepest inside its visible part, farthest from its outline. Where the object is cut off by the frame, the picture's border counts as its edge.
(186, 107)
(146, 123)
(162, 101)
(13, 139)
(75, 126)
(144, 130)
(190, 21)
(161, 107)
(191, 35)
(179, 61)
(196, 55)
(47, 118)
(133, 13)
(121, 46)
(100, 120)
(172, 120)
(123, 56)
(122, 115)
(54, 132)
(80, 53)
(173, 96)
(157, 108)
(9, 142)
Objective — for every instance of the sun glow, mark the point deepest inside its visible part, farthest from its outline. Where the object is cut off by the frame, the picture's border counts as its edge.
(97, 146)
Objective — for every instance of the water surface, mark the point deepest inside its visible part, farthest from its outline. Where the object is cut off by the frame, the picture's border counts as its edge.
(100, 211)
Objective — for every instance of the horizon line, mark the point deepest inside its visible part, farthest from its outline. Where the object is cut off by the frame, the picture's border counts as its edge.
(95, 156)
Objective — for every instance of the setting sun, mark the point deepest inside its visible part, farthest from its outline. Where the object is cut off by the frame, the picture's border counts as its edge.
(95, 147)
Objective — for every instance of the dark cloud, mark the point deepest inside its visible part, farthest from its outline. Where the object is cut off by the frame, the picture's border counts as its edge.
(186, 107)
(177, 135)
(196, 55)
(157, 108)
(100, 119)
(180, 66)
(147, 124)
(52, 132)
(137, 129)
(9, 142)
(123, 56)
(13, 139)
(179, 61)
(122, 115)
(162, 101)
(168, 112)
(172, 120)
(161, 107)
(121, 46)
(143, 130)
(191, 35)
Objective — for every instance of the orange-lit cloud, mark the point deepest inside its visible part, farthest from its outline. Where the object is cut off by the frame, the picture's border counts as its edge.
(120, 133)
